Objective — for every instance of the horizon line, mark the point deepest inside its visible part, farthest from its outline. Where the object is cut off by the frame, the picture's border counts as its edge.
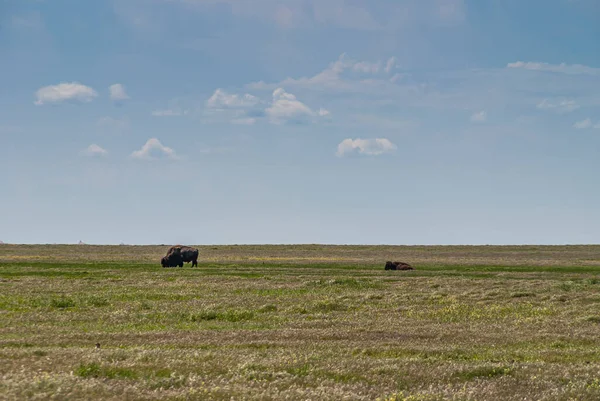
(294, 244)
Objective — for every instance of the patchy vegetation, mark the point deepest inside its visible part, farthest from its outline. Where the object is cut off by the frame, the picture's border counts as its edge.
(306, 322)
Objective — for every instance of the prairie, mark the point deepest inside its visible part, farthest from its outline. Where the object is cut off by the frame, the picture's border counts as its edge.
(300, 322)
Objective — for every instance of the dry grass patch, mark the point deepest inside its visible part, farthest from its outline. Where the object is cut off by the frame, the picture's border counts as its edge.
(300, 322)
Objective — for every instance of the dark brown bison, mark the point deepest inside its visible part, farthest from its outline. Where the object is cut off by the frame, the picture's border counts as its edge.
(183, 253)
(171, 261)
(397, 266)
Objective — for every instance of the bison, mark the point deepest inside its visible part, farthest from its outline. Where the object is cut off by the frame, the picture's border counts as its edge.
(398, 266)
(171, 261)
(183, 253)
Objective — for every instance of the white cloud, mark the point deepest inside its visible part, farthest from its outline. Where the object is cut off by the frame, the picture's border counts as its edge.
(585, 124)
(479, 117)
(564, 106)
(248, 109)
(222, 100)
(571, 69)
(287, 109)
(153, 149)
(117, 92)
(95, 150)
(390, 65)
(367, 67)
(397, 77)
(324, 113)
(64, 91)
(340, 74)
(233, 108)
(345, 87)
(371, 147)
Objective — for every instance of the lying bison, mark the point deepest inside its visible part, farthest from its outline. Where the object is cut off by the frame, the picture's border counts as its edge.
(178, 254)
(397, 266)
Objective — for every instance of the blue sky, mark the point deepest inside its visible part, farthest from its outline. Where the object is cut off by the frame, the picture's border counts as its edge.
(300, 121)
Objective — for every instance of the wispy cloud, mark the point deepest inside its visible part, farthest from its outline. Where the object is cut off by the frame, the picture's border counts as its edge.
(117, 92)
(154, 149)
(323, 112)
(563, 106)
(390, 65)
(95, 151)
(362, 15)
(485, 89)
(370, 147)
(479, 117)
(367, 67)
(572, 69)
(344, 73)
(244, 121)
(584, 124)
(64, 91)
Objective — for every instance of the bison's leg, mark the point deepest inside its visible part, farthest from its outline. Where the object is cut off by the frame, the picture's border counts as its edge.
(195, 262)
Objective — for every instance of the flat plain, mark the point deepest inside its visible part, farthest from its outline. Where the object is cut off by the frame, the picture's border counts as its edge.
(306, 322)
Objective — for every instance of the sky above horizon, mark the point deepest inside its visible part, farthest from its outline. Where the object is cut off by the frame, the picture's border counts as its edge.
(300, 121)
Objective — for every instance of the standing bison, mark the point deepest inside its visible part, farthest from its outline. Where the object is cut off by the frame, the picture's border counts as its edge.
(172, 261)
(398, 266)
(178, 254)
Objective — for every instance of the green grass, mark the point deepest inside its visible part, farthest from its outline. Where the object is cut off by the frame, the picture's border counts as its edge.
(300, 322)
(484, 372)
(94, 370)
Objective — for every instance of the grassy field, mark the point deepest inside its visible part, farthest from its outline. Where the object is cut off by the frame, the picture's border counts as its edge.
(300, 322)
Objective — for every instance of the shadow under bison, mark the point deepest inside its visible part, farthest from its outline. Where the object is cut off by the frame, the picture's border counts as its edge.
(178, 255)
